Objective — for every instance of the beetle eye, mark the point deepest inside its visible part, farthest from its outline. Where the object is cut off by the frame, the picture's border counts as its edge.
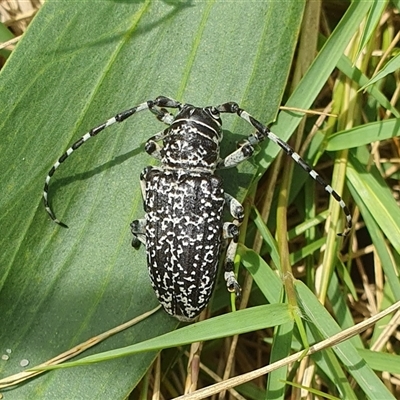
(213, 112)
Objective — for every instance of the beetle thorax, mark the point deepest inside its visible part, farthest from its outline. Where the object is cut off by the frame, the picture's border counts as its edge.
(193, 140)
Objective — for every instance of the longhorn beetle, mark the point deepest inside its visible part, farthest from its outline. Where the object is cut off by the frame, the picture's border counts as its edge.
(183, 228)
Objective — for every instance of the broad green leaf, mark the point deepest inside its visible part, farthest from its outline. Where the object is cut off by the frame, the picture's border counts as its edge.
(78, 64)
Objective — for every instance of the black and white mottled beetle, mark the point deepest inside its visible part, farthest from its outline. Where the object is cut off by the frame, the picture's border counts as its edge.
(183, 228)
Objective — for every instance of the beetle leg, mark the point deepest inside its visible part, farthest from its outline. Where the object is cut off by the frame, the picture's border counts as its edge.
(235, 208)
(138, 229)
(152, 147)
(231, 231)
(138, 226)
(262, 132)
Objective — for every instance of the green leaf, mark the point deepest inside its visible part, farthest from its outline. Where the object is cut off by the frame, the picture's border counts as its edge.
(362, 373)
(5, 35)
(280, 349)
(315, 77)
(269, 283)
(376, 197)
(372, 21)
(235, 323)
(78, 64)
(368, 209)
(380, 361)
(344, 64)
(391, 66)
(267, 237)
(364, 134)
